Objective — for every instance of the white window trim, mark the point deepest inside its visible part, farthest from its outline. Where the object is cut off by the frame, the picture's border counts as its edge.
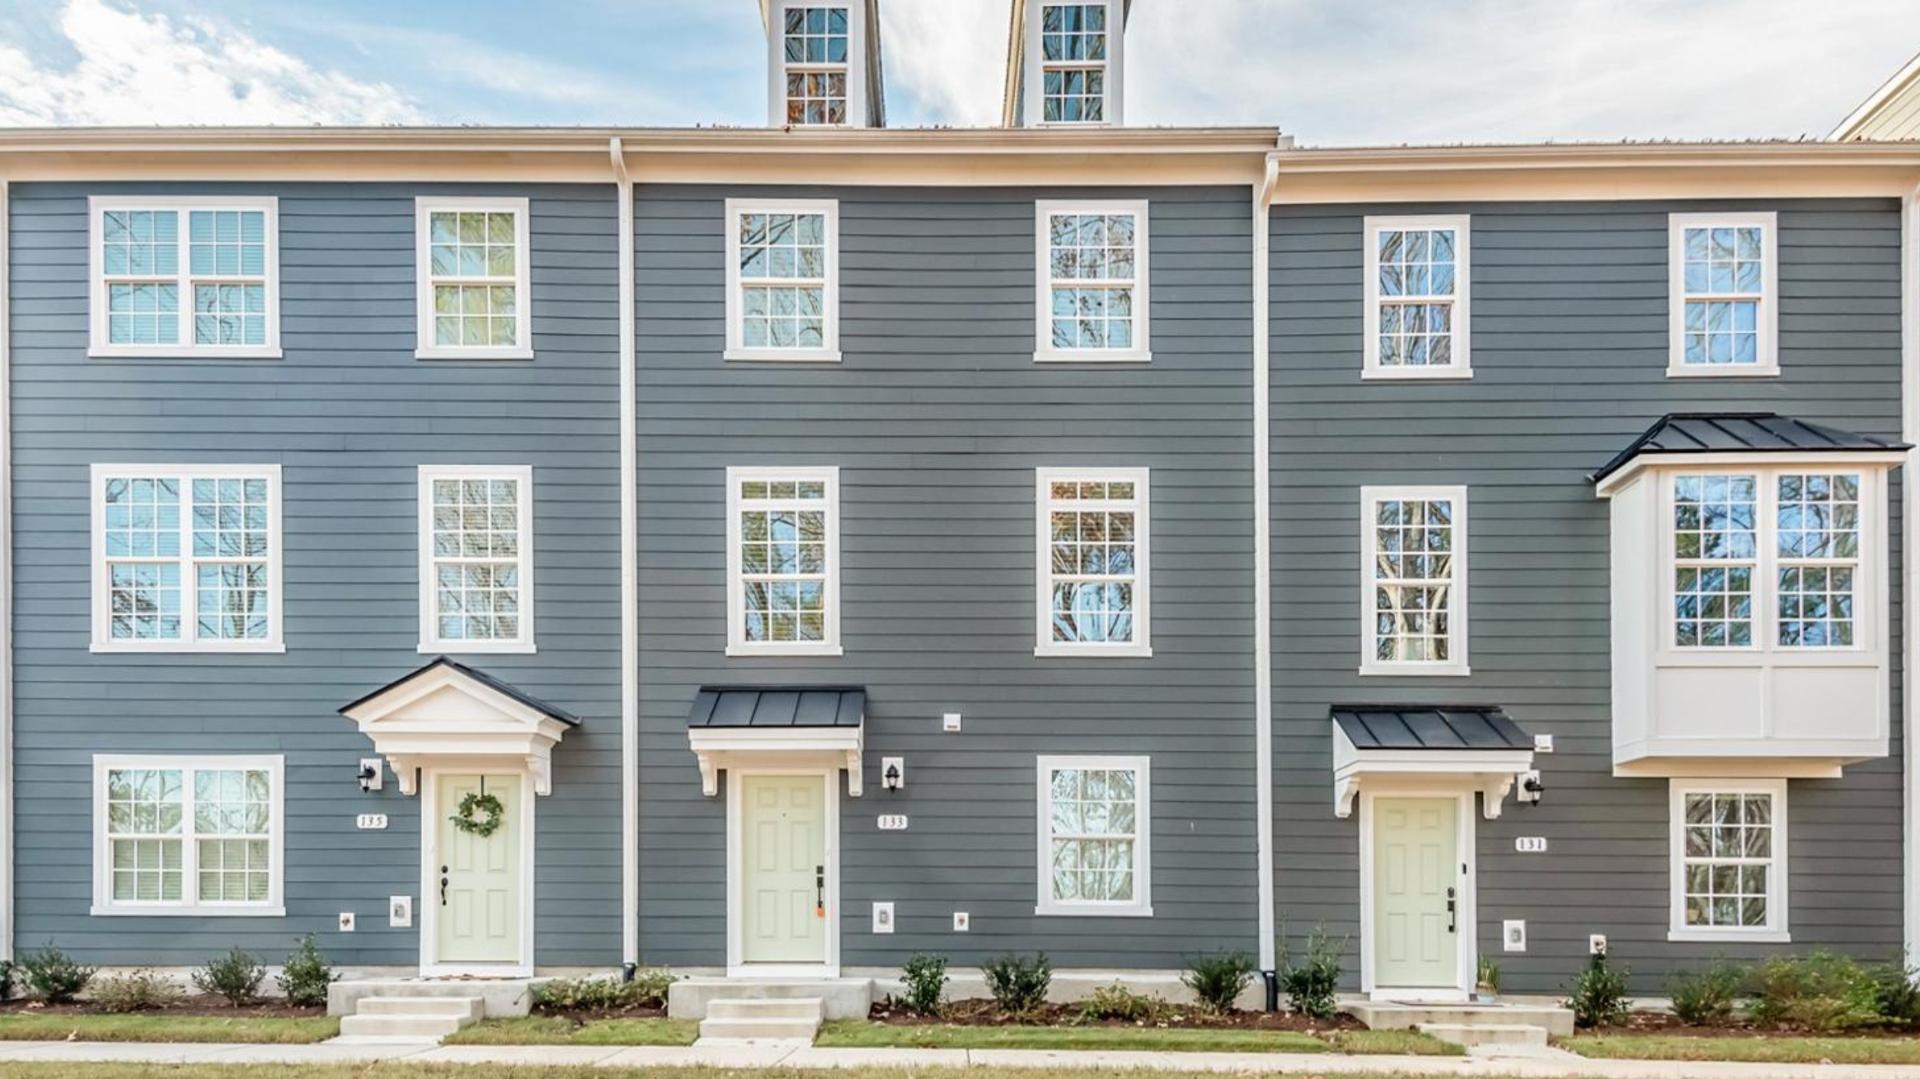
(737, 643)
(830, 330)
(1035, 68)
(1677, 929)
(103, 640)
(100, 346)
(1767, 348)
(424, 207)
(855, 67)
(1043, 351)
(1142, 644)
(1141, 906)
(1462, 365)
(431, 642)
(1457, 637)
(103, 902)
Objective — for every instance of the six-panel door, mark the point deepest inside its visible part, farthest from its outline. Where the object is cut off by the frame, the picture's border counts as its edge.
(1415, 882)
(784, 856)
(479, 918)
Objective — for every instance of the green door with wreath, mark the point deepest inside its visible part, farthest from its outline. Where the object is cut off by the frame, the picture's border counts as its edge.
(479, 880)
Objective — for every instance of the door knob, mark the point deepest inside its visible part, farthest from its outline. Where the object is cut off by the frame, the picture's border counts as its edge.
(1453, 913)
(443, 885)
(820, 890)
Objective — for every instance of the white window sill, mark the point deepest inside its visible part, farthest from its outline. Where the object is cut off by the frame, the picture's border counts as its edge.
(179, 352)
(1415, 670)
(473, 353)
(1725, 936)
(1094, 651)
(1071, 910)
(1094, 356)
(782, 355)
(1417, 374)
(1723, 370)
(175, 647)
(490, 648)
(785, 650)
(181, 911)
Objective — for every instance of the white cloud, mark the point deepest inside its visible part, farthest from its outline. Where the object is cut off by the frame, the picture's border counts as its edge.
(946, 61)
(137, 69)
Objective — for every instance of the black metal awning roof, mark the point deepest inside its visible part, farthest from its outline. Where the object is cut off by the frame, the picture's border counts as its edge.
(479, 676)
(775, 707)
(1741, 432)
(1445, 726)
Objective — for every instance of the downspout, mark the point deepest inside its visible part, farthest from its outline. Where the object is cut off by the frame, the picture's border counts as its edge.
(7, 794)
(629, 581)
(1909, 518)
(1263, 577)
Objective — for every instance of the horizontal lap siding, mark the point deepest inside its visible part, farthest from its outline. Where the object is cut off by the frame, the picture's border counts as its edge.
(1569, 324)
(349, 414)
(937, 418)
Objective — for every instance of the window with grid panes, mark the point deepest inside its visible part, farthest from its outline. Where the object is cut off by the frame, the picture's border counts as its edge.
(188, 278)
(1095, 835)
(1073, 63)
(1094, 273)
(1728, 857)
(479, 557)
(783, 538)
(1415, 588)
(187, 557)
(188, 833)
(1095, 560)
(815, 43)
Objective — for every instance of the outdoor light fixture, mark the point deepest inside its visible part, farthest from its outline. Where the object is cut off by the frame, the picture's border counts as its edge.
(370, 773)
(893, 773)
(1531, 788)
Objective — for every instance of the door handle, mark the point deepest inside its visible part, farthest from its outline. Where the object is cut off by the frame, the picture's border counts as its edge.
(443, 885)
(1453, 912)
(820, 891)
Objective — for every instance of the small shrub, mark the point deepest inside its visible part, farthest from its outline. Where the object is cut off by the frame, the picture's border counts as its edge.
(236, 976)
(925, 980)
(1218, 980)
(1019, 984)
(1821, 992)
(135, 991)
(1116, 1001)
(648, 989)
(1312, 983)
(307, 974)
(51, 975)
(1705, 998)
(1897, 996)
(1598, 996)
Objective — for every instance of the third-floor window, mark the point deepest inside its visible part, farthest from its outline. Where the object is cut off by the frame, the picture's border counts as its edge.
(815, 44)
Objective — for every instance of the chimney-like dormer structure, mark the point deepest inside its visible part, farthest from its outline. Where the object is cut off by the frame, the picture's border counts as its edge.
(823, 63)
(1066, 64)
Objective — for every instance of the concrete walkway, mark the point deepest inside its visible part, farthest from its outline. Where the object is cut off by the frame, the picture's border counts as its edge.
(1534, 1065)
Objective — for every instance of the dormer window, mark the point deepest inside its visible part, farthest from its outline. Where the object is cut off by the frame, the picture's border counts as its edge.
(816, 57)
(1073, 46)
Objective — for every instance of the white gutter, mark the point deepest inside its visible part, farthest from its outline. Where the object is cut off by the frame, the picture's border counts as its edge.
(6, 593)
(1263, 567)
(629, 577)
(1910, 583)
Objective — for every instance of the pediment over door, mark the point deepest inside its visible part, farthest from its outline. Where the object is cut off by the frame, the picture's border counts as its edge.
(447, 714)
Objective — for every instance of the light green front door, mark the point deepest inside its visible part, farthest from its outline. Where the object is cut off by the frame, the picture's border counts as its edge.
(783, 833)
(1416, 875)
(479, 898)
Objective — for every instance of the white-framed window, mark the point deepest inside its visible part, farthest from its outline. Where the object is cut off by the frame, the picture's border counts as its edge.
(184, 276)
(1092, 276)
(474, 274)
(1074, 52)
(783, 561)
(1418, 280)
(1769, 559)
(476, 558)
(1093, 570)
(783, 280)
(1729, 859)
(816, 47)
(186, 558)
(1725, 294)
(188, 835)
(1095, 837)
(1413, 580)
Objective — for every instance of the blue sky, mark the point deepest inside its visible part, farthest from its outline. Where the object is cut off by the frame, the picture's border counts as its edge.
(1329, 71)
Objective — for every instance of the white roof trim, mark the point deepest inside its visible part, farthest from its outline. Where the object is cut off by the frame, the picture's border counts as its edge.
(443, 714)
(1814, 458)
(719, 748)
(1492, 772)
(1859, 116)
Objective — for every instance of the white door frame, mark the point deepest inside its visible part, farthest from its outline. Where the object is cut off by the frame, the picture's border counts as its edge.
(1466, 922)
(430, 965)
(737, 967)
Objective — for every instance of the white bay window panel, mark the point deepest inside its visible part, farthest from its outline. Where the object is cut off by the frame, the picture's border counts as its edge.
(1418, 275)
(476, 558)
(473, 268)
(1093, 298)
(176, 835)
(783, 280)
(1728, 860)
(184, 276)
(783, 561)
(1094, 562)
(1095, 837)
(1724, 294)
(1414, 581)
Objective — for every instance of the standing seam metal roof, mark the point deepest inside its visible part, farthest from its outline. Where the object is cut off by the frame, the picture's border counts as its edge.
(1741, 432)
(1437, 727)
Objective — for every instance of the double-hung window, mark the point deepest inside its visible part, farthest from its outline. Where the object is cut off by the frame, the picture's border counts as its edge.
(186, 558)
(476, 558)
(1092, 301)
(185, 276)
(187, 835)
(1093, 568)
(816, 43)
(1417, 291)
(783, 280)
(1729, 859)
(1725, 294)
(473, 275)
(1073, 63)
(783, 561)
(1095, 836)
(1414, 580)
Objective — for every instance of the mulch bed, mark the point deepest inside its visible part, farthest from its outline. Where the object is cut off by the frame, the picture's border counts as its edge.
(193, 1005)
(1669, 1025)
(983, 1013)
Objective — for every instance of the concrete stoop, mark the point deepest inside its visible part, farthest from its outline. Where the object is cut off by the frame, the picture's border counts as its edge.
(1471, 1025)
(409, 1018)
(788, 1019)
(837, 998)
(1472, 1034)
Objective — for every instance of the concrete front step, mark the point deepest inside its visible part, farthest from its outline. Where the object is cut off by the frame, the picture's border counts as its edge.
(461, 1007)
(840, 998)
(777, 1019)
(499, 997)
(414, 1017)
(802, 1008)
(1485, 1033)
(1387, 1015)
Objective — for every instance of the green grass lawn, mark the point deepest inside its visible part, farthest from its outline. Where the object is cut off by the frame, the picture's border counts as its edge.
(559, 1030)
(857, 1033)
(1765, 1050)
(161, 1027)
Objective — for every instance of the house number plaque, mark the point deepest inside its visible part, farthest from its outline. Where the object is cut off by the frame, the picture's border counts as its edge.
(893, 822)
(1530, 844)
(371, 822)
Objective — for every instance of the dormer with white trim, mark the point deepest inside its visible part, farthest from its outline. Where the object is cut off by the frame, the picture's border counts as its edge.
(1066, 64)
(823, 64)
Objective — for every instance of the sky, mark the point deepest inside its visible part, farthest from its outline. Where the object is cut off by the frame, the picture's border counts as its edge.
(1329, 72)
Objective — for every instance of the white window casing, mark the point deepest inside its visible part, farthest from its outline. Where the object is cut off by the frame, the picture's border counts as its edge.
(1413, 550)
(186, 558)
(183, 836)
(1095, 837)
(1418, 319)
(817, 64)
(476, 559)
(1724, 310)
(473, 270)
(1728, 852)
(783, 280)
(1074, 67)
(1092, 297)
(783, 561)
(1093, 562)
(183, 276)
